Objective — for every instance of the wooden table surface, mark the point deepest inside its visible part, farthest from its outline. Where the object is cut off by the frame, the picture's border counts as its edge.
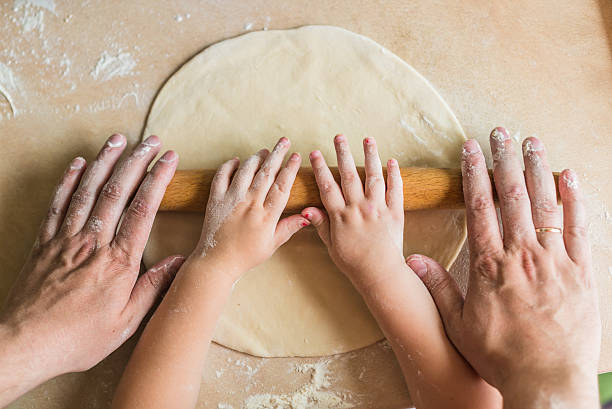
(538, 67)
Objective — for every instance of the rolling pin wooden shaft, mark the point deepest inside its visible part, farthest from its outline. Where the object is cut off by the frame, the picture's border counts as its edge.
(424, 188)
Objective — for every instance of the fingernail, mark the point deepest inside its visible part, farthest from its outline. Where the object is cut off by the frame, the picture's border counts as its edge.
(417, 265)
(151, 141)
(307, 215)
(77, 163)
(470, 147)
(368, 140)
(315, 154)
(500, 134)
(532, 145)
(304, 223)
(294, 157)
(168, 157)
(339, 138)
(115, 141)
(571, 179)
(392, 163)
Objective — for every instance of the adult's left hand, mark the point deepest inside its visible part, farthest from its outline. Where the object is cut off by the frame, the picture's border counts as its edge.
(79, 295)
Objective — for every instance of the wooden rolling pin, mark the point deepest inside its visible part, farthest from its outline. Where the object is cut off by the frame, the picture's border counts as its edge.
(424, 188)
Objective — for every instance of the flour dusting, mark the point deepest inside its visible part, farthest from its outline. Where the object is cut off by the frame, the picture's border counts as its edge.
(8, 84)
(312, 394)
(45, 4)
(109, 66)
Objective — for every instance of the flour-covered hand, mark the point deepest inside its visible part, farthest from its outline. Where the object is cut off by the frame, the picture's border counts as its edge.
(363, 228)
(79, 295)
(242, 226)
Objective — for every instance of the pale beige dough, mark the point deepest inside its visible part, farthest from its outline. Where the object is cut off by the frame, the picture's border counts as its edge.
(308, 84)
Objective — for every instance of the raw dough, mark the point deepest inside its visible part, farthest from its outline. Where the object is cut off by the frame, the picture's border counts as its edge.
(307, 84)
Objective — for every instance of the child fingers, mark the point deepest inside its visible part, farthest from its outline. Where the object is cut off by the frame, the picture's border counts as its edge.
(374, 182)
(395, 187)
(278, 194)
(268, 171)
(330, 192)
(349, 178)
(222, 179)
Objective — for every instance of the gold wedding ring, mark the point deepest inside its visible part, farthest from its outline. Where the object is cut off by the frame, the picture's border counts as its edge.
(548, 230)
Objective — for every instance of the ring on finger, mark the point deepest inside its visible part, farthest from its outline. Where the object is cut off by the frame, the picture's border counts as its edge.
(548, 230)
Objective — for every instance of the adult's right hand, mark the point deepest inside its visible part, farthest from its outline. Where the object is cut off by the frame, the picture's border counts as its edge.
(79, 295)
(529, 323)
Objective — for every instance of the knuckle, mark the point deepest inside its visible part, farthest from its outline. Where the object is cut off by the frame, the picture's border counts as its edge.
(348, 177)
(546, 206)
(81, 198)
(576, 231)
(514, 193)
(111, 191)
(438, 283)
(139, 208)
(485, 264)
(480, 202)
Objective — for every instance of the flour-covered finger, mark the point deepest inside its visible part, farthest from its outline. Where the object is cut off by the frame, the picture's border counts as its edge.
(96, 174)
(331, 195)
(514, 203)
(395, 187)
(349, 178)
(136, 226)
(278, 194)
(269, 170)
(61, 199)
(222, 179)
(119, 188)
(542, 192)
(575, 233)
(484, 236)
(243, 178)
(374, 181)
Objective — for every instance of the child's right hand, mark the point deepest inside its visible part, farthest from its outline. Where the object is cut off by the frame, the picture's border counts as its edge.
(363, 230)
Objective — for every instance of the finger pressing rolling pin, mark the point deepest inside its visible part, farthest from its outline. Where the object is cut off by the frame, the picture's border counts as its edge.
(424, 188)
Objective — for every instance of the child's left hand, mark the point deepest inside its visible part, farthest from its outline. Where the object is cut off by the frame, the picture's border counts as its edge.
(241, 226)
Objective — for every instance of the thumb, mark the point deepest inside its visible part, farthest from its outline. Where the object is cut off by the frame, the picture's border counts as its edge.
(443, 290)
(287, 227)
(152, 284)
(320, 221)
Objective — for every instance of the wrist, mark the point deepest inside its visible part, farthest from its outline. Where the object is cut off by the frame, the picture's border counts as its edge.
(21, 369)
(213, 267)
(366, 277)
(572, 387)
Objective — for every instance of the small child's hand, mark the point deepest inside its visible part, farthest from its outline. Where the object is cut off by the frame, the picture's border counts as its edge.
(363, 231)
(241, 227)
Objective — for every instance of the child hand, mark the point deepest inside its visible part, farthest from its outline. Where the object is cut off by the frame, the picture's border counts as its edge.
(242, 226)
(363, 230)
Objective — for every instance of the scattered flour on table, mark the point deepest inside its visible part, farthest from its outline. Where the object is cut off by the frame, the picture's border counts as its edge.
(313, 394)
(45, 4)
(109, 66)
(8, 84)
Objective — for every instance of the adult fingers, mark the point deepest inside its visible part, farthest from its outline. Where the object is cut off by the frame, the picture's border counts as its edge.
(120, 187)
(150, 286)
(575, 233)
(91, 183)
(374, 182)
(331, 196)
(349, 178)
(61, 200)
(278, 193)
(266, 175)
(511, 190)
(395, 187)
(244, 175)
(542, 192)
(287, 227)
(134, 232)
(483, 229)
(222, 179)
(443, 290)
(320, 221)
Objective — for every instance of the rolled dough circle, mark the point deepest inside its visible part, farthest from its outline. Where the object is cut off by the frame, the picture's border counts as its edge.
(308, 84)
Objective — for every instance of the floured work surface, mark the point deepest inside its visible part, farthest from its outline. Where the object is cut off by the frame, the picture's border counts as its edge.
(533, 69)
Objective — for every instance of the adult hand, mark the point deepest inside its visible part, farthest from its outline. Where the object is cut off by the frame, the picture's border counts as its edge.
(373, 216)
(529, 323)
(79, 296)
(243, 210)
